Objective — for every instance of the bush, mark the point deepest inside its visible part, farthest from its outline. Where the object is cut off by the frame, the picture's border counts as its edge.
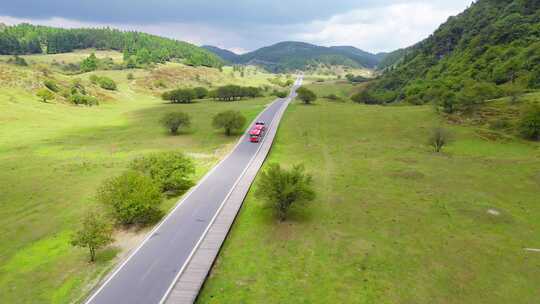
(529, 125)
(439, 138)
(45, 95)
(230, 121)
(175, 121)
(87, 100)
(94, 233)
(365, 97)
(172, 171)
(355, 79)
(306, 96)
(282, 188)
(179, 96)
(132, 198)
(107, 83)
(51, 85)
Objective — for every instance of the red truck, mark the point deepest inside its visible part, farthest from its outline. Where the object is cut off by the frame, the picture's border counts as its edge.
(257, 132)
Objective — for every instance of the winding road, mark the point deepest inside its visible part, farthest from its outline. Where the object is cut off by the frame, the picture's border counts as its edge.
(147, 275)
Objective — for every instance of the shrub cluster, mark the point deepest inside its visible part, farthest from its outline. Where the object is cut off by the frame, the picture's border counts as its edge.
(356, 79)
(134, 198)
(104, 82)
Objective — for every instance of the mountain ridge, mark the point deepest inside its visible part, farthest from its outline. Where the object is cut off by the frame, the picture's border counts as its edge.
(291, 55)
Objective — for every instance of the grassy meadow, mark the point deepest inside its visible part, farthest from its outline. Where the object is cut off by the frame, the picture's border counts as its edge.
(393, 222)
(54, 155)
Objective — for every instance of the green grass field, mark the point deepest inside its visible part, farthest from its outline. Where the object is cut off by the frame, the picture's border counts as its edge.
(53, 156)
(393, 222)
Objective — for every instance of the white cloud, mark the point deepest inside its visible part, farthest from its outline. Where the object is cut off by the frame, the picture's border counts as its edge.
(380, 29)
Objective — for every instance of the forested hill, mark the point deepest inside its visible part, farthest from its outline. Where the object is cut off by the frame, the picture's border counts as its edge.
(145, 48)
(290, 55)
(222, 53)
(491, 49)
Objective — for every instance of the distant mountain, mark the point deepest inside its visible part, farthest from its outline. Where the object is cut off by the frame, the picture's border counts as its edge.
(291, 55)
(224, 54)
(364, 58)
(489, 50)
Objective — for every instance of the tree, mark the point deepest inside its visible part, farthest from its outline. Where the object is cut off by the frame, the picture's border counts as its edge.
(439, 138)
(230, 121)
(94, 233)
(179, 96)
(175, 121)
(529, 125)
(132, 198)
(172, 171)
(282, 188)
(200, 92)
(307, 96)
(45, 95)
(89, 64)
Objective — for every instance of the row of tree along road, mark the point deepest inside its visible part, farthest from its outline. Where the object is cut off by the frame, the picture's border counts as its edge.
(223, 93)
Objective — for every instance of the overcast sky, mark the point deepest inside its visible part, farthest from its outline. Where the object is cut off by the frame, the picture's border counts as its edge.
(244, 25)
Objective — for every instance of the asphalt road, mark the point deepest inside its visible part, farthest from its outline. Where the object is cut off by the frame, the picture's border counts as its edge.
(147, 274)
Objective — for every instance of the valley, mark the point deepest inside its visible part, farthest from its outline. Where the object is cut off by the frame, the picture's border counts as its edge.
(400, 172)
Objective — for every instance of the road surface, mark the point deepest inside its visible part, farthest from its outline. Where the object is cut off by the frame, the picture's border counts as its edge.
(146, 276)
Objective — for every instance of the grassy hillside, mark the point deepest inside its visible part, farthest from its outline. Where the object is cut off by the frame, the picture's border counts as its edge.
(393, 222)
(54, 155)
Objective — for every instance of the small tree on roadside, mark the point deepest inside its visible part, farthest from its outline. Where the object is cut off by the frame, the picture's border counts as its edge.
(94, 233)
(132, 198)
(172, 171)
(45, 95)
(306, 96)
(282, 188)
(439, 138)
(230, 121)
(176, 121)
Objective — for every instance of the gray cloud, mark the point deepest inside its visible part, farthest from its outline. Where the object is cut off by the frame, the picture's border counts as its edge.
(374, 25)
(209, 11)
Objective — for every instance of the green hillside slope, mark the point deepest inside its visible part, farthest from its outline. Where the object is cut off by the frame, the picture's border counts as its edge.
(31, 39)
(490, 50)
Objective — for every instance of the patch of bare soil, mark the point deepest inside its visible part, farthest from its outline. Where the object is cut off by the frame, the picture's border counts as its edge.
(128, 240)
